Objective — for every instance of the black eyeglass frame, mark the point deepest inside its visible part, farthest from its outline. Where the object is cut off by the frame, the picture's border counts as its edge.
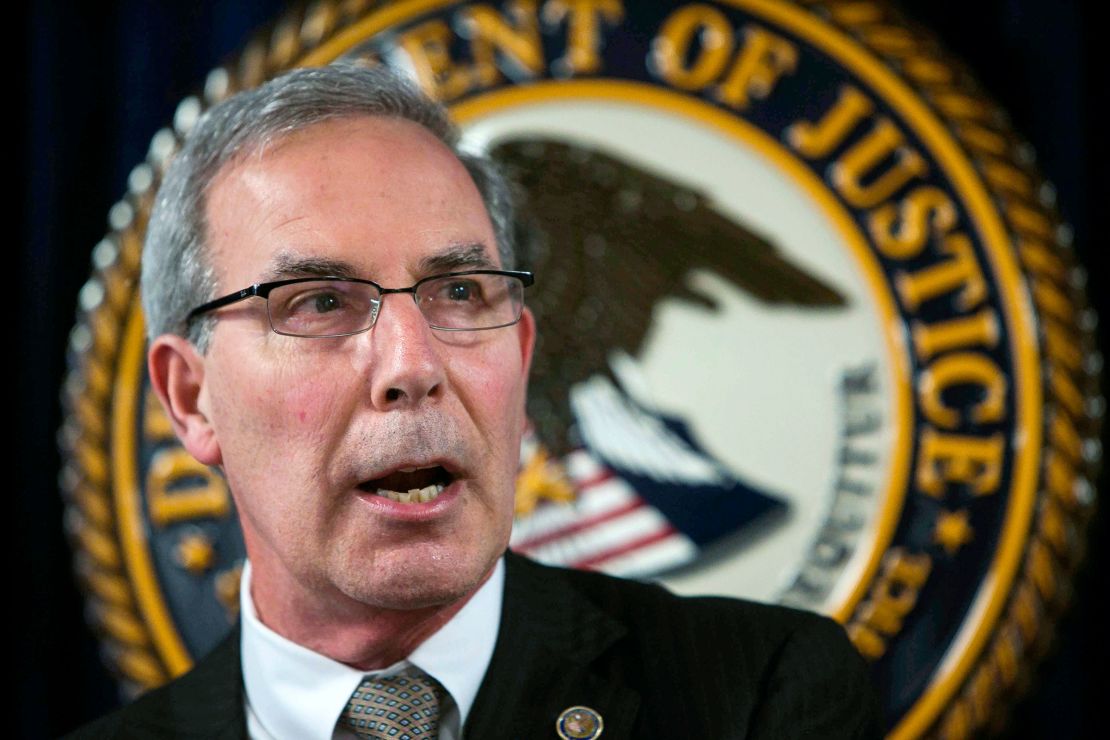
(263, 290)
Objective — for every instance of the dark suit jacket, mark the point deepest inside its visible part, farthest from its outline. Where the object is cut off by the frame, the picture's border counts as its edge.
(652, 664)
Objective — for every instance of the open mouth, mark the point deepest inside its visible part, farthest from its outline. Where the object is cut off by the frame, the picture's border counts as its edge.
(410, 485)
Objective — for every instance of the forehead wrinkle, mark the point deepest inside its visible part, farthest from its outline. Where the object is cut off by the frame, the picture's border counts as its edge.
(290, 220)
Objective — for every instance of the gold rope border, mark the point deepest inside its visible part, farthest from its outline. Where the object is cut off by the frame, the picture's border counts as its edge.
(1066, 324)
(85, 478)
(1070, 361)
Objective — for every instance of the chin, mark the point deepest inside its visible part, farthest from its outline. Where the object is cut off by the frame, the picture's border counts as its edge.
(419, 583)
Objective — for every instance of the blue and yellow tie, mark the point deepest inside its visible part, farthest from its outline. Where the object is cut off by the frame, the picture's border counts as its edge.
(402, 707)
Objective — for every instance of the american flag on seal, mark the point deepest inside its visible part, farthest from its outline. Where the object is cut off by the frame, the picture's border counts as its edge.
(639, 498)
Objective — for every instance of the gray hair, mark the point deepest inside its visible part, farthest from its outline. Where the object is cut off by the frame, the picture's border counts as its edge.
(177, 275)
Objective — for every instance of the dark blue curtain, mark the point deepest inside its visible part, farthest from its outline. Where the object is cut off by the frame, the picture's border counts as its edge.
(98, 79)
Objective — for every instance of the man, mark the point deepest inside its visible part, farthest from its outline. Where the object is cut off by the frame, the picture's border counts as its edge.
(371, 441)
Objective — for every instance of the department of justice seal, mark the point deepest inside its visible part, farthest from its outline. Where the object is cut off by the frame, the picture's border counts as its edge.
(811, 333)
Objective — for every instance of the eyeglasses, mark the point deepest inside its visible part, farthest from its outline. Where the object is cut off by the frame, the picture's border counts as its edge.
(341, 306)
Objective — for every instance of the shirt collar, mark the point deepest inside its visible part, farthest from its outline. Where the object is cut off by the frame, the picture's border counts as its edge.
(296, 692)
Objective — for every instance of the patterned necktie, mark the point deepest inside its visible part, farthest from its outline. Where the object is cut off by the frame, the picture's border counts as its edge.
(395, 707)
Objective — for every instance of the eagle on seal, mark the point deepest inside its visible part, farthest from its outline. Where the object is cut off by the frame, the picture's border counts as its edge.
(609, 240)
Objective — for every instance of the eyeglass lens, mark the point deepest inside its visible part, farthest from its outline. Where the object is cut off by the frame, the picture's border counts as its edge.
(320, 308)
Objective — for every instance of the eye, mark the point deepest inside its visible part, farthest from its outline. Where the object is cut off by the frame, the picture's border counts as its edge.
(325, 302)
(314, 300)
(462, 290)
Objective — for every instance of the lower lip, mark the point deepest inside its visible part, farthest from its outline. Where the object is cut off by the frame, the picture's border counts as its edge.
(414, 512)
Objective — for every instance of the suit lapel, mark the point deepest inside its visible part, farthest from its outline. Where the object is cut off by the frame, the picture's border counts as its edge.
(546, 660)
(212, 699)
(219, 690)
(207, 702)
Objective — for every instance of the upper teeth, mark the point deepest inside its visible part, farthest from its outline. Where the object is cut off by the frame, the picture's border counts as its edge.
(416, 495)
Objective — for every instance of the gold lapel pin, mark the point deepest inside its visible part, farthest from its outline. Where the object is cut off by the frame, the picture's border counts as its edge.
(579, 723)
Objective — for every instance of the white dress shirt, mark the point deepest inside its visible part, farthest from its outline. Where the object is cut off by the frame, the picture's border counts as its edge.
(293, 692)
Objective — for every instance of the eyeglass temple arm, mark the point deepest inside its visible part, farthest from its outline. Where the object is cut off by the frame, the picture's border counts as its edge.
(225, 300)
(527, 278)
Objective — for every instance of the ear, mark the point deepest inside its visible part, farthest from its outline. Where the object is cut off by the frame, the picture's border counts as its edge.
(176, 371)
(527, 333)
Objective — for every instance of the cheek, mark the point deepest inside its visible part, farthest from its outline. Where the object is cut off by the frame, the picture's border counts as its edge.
(307, 403)
(274, 411)
(496, 389)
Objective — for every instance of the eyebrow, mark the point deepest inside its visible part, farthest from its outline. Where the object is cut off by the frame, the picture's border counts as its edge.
(287, 265)
(458, 257)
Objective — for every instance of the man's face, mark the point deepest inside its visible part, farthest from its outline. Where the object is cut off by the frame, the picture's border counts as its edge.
(307, 430)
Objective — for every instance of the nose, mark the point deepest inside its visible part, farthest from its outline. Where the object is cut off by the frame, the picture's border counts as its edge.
(405, 364)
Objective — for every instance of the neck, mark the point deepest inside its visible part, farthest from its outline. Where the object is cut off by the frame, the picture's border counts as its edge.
(362, 636)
